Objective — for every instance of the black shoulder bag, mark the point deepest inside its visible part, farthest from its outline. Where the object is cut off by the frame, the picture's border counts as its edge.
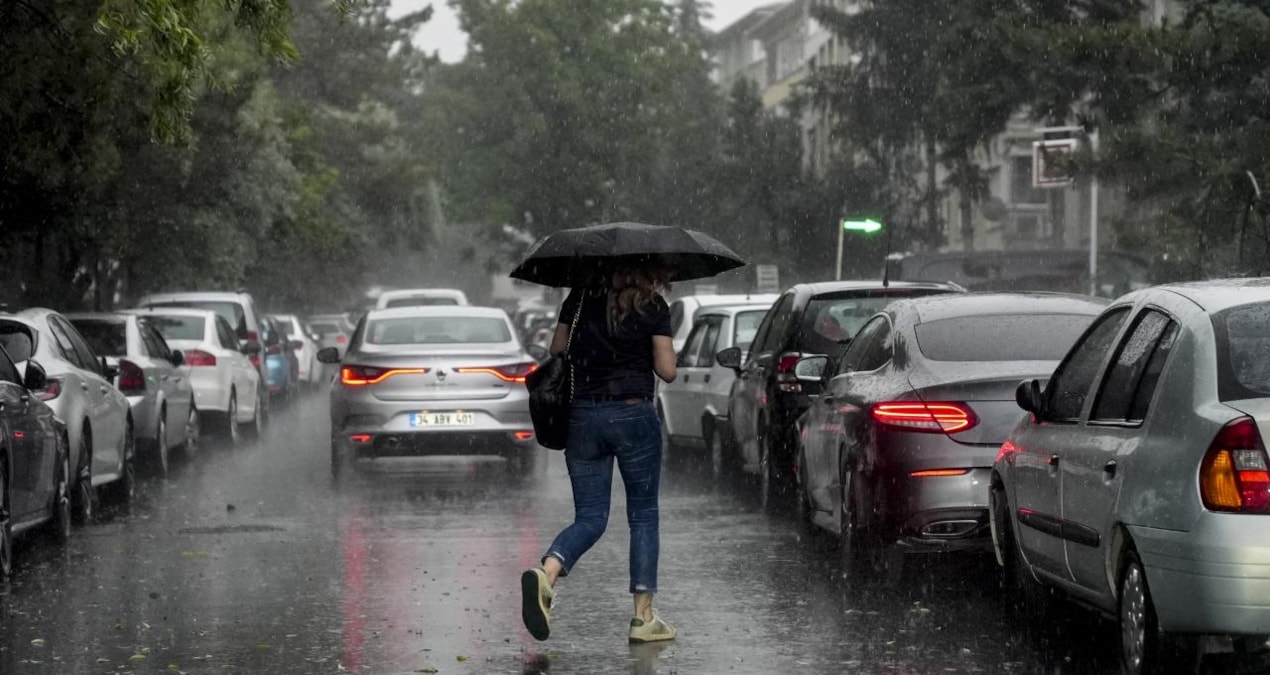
(551, 393)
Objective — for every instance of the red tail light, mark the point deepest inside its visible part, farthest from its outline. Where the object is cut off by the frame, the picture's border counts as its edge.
(253, 336)
(787, 362)
(1235, 474)
(340, 339)
(131, 378)
(786, 380)
(255, 359)
(274, 349)
(524, 435)
(948, 418)
(513, 373)
(198, 357)
(52, 390)
(360, 376)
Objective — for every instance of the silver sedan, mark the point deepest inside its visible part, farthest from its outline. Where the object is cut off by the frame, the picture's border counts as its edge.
(431, 381)
(1139, 481)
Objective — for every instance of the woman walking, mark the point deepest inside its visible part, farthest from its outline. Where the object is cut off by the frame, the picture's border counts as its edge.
(622, 338)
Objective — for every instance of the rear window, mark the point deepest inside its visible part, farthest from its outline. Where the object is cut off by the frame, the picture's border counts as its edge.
(421, 302)
(232, 312)
(105, 338)
(1001, 337)
(324, 328)
(178, 327)
(1243, 351)
(417, 330)
(18, 341)
(745, 328)
(829, 322)
(284, 325)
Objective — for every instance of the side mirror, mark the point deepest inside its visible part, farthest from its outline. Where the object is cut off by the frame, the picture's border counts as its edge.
(811, 368)
(108, 371)
(729, 358)
(35, 378)
(252, 348)
(539, 352)
(177, 357)
(1028, 396)
(331, 355)
(296, 345)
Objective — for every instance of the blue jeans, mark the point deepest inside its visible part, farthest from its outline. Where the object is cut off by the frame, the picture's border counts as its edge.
(599, 432)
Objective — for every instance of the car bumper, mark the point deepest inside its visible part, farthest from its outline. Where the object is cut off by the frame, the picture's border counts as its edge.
(145, 417)
(211, 392)
(383, 429)
(1214, 579)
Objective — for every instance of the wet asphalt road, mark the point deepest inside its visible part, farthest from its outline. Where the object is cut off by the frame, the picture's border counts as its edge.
(249, 560)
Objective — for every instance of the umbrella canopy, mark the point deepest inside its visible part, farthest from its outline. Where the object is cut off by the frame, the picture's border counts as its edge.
(571, 257)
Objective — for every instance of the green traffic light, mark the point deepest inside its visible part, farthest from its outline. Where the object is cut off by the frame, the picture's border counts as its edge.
(868, 226)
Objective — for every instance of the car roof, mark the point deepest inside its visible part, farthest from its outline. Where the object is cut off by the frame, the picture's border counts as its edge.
(1216, 295)
(423, 292)
(732, 310)
(19, 318)
(437, 310)
(223, 296)
(823, 287)
(171, 311)
(954, 305)
(713, 299)
(111, 317)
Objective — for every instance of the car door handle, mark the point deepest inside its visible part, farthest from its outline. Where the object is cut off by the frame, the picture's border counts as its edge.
(707, 378)
(84, 386)
(104, 389)
(687, 377)
(1109, 469)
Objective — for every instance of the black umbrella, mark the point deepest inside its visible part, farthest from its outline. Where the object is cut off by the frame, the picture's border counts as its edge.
(572, 257)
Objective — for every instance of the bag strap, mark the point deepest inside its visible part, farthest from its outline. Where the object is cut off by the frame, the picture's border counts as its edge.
(577, 314)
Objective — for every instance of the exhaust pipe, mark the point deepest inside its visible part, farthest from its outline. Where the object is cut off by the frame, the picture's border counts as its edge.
(949, 529)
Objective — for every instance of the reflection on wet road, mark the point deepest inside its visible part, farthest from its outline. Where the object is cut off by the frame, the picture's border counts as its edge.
(251, 561)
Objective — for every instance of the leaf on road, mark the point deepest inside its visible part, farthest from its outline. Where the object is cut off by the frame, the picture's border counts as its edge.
(137, 657)
(429, 669)
(37, 642)
(461, 658)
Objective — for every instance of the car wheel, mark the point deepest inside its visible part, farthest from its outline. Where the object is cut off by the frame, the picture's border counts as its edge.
(192, 432)
(1033, 599)
(342, 463)
(125, 488)
(713, 448)
(1143, 648)
(256, 427)
(161, 445)
(802, 506)
(61, 506)
(853, 555)
(84, 500)
(6, 529)
(230, 432)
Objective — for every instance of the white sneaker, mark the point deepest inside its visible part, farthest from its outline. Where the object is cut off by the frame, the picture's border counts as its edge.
(651, 631)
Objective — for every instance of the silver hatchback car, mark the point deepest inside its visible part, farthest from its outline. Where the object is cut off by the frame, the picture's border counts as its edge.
(1139, 484)
(437, 380)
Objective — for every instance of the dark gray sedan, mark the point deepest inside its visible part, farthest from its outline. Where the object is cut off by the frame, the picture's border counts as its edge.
(894, 456)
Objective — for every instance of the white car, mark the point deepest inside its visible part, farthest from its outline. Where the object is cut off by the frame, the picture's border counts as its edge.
(164, 414)
(694, 404)
(97, 415)
(227, 387)
(419, 297)
(683, 310)
(310, 372)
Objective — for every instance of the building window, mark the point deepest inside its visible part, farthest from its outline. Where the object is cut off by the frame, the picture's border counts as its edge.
(1021, 190)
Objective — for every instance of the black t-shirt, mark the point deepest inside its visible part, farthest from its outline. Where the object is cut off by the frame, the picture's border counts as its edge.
(615, 365)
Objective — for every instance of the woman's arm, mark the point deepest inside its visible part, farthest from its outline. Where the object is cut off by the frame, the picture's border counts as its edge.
(560, 340)
(664, 358)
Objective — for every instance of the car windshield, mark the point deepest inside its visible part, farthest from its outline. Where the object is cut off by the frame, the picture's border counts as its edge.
(232, 312)
(1001, 337)
(745, 327)
(437, 330)
(828, 323)
(421, 301)
(107, 338)
(17, 341)
(1243, 351)
(173, 327)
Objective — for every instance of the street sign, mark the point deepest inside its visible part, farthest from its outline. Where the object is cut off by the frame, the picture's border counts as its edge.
(769, 279)
(1045, 172)
(868, 225)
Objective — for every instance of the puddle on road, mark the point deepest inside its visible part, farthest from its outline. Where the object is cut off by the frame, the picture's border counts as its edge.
(230, 529)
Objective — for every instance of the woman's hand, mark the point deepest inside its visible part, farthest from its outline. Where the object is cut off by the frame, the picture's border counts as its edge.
(560, 340)
(664, 358)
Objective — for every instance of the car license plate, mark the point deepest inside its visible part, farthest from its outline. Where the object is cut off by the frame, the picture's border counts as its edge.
(442, 419)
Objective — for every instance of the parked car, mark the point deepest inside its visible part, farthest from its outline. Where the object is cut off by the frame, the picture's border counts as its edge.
(683, 310)
(696, 403)
(332, 330)
(766, 398)
(431, 380)
(35, 465)
(281, 366)
(303, 346)
(79, 389)
(1137, 482)
(228, 391)
(420, 297)
(894, 454)
(238, 309)
(164, 413)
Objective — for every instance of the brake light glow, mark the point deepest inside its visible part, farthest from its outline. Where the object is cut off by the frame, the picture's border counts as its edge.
(786, 380)
(198, 357)
(131, 378)
(52, 389)
(524, 435)
(787, 362)
(360, 438)
(360, 376)
(253, 336)
(947, 418)
(939, 473)
(340, 339)
(512, 373)
(1235, 474)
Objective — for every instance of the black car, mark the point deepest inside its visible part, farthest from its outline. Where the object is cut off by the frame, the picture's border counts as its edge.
(767, 399)
(895, 454)
(34, 460)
